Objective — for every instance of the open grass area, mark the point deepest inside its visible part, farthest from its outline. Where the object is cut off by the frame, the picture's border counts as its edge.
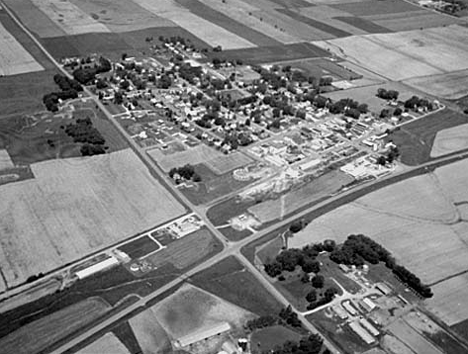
(103, 199)
(267, 339)
(219, 214)
(49, 329)
(107, 344)
(229, 280)
(415, 140)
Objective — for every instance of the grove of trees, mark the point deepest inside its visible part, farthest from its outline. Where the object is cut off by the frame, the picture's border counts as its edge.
(83, 131)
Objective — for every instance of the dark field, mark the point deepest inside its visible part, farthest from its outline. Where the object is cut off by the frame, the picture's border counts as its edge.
(26, 139)
(368, 8)
(314, 23)
(226, 22)
(291, 3)
(320, 67)
(415, 139)
(273, 53)
(125, 333)
(229, 280)
(220, 213)
(267, 339)
(140, 247)
(363, 24)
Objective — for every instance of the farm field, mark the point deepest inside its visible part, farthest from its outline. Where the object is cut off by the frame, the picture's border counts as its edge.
(450, 86)
(51, 328)
(412, 339)
(140, 247)
(413, 20)
(229, 280)
(311, 192)
(5, 160)
(450, 140)
(438, 51)
(207, 31)
(187, 251)
(367, 8)
(107, 344)
(148, 331)
(95, 198)
(14, 59)
(447, 302)
(268, 338)
(190, 309)
(320, 67)
(420, 221)
(215, 160)
(415, 140)
(272, 54)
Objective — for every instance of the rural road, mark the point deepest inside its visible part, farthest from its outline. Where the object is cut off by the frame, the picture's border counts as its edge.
(230, 248)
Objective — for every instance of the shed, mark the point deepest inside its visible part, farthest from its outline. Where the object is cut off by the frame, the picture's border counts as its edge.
(383, 288)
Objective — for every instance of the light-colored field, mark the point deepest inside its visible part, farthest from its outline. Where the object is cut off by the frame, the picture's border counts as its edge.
(405, 55)
(450, 86)
(69, 17)
(107, 344)
(208, 32)
(34, 19)
(14, 59)
(414, 219)
(239, 11)
(121, 15)
(5, 160)
(218, 162)
(291, 26)
(149, 333)
(191, 308)
(320, 187)
(412, 339)
(450, 140)
(449, 301)
(36, 336)
(74, 207)
(408, 21)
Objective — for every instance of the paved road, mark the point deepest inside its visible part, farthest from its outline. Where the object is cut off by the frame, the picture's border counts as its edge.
(230, 249)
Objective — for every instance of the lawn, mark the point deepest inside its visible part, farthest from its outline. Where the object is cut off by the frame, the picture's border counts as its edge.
(267, 339)
(219, 214)
(229, 280)
(415, 139)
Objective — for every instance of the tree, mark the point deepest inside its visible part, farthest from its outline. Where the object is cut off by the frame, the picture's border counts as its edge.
(273, 269)
(311, 296)
(310, 265)
(318, 281)
(330, 293)
(296, 226)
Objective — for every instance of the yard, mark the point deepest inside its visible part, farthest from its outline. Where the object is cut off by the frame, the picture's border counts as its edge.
(267, 339)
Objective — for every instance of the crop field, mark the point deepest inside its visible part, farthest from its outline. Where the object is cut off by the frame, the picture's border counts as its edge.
(49, 329)
(411, 338)
(207, 31)
(438, 51)
(363, 24)
(240, 11)
(336, 32)
(414, 20)
(224, 21)
(230, 281)
(449, 301)
(450, 86)
(149, 333)
(415, 140)
(267, 339)
(450, 140)
(191, 308)
(14, 59)
(313, 191)
(107, 344)
(74, 207)
(187, 250)
(68, 17)
(120, 15)
(367, 8)
(273, 54)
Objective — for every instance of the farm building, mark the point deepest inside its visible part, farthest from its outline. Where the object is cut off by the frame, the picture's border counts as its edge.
(367, 304)
(383, 288)
(98, 267)
(361, 332)
(350, 308)
(368, 326)
(341, 313)
(203, 333)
